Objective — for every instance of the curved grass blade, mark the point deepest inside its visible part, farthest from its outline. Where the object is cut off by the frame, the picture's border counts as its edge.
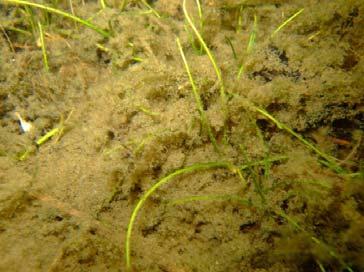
(145, 196)
(62, 13)
(152, 10)
(168, 178)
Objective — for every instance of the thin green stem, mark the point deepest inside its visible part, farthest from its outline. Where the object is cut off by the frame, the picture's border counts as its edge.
(42, 44)
(198, 101)
(62, 13)
(287, 21)
(145, 3)
(168, 178)
(330, 160)
(250, 45)
(145, 196)
(213, 61)
(314, 239)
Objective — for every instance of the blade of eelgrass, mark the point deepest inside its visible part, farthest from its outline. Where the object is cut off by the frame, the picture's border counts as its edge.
(146, 195)
(198, 101)
(314, 239)
(250, 45)
(29, 15)
(253, 35)
(152, 10)
(287, 21)
(248, 203)
(18, 30)
(239, 25)
(168, 178)
(214, 64)
(102, 4)
(228, 40)
(207, 50)
(62, 13)
(7, 38)
(123, 4)
(280, 213)
(322, 268)
(199, 12)
(42, 44)
(330, 161)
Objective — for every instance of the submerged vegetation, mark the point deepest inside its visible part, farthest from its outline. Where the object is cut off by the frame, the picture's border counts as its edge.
(255, 109)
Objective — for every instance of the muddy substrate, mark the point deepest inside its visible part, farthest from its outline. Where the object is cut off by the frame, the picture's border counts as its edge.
(130, 118)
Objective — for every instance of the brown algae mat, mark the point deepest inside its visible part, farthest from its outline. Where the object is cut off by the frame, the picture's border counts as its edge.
(182, 136)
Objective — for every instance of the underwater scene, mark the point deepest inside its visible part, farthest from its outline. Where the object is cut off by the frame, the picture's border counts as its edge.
(182, 135)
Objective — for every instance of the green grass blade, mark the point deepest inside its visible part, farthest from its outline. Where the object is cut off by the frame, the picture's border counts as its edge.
(168, 178)
(200, 15)
(146, 195)
(314, 239)
(262, 162)
(213, 61)
(322, 268)
(61, 13)
(207, 50)
(42, 44)
(250, 45)
(239, 24)
(197, 97)
(253, 35)
(228, 40)
(287, 22)
(29, 15)
(102, 4)
(152, 10)
(330, 160)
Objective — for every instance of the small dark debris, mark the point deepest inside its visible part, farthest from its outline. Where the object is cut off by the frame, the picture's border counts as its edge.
(58, 218)
(248, 226)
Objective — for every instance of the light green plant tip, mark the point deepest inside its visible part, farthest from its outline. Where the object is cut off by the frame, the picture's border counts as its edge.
(61, 13)
(48, 136)
(250, 45)
(287, 22)
(42, 44)
(148, 111)
(322, 268)
(137, 59)
(25, 154)
(102, 4)
(152, 10)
